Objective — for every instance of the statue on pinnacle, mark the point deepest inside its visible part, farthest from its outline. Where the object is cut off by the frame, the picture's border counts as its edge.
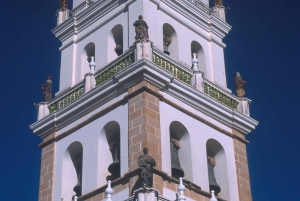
(141, 29)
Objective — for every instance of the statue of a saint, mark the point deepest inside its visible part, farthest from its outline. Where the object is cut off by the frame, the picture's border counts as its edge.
(218, 2)
(146, 164)
(239, 85)
(141, 29)
(47, 88)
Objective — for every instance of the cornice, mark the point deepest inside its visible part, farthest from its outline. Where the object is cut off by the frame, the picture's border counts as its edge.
(113, 93)
(106, 10)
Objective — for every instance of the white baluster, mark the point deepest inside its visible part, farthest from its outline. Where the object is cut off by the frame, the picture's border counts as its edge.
(109, 191)
(181, 189)
(92, 66)
(213, 198)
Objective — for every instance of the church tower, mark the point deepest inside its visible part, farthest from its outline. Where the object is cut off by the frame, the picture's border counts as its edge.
(141, 74)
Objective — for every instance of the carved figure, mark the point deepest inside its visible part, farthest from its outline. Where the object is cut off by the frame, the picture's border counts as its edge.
(239, 85)
(63, 4)
(141, 29)
(218, 2)
(167, 42)
(47, 88)
(146, 164)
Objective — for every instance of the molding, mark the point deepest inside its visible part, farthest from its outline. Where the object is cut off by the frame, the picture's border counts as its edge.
(103, 11)
(115, 91)
(127, 176)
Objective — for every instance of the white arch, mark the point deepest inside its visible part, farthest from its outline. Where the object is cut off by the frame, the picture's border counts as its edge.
(69, 176)
(109, 133)
(216, 150)
(170, 32)
(180, 133)
(115, 38)
(87, 52)
(197, 48)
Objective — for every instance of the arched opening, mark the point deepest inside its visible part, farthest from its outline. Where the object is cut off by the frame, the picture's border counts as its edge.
(72, 171)
(87, 53)
(180, 144)
(197, 48)
(115, 42)
(217, 168)
(109, 147)
(170, 41)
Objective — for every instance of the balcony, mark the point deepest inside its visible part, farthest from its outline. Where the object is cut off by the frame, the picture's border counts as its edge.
(179, 71)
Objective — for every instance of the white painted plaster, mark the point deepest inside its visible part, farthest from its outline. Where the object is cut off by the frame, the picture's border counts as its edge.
(199, 134)
(96, 154)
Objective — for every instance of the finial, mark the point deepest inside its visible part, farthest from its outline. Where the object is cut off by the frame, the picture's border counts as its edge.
(181, 189)
(92, 66)
(75, 198)
(195, 62)
(213, 198)
(63, 4)
(109, 191)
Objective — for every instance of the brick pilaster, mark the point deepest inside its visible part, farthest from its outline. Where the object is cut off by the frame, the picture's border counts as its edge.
(242, 170)
(144, 124)
(47, 172)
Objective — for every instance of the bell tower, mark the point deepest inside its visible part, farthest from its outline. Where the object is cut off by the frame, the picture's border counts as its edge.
(143, 111)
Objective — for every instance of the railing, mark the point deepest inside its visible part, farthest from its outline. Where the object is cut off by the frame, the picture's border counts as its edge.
(107, 73)
(122, 62)
(81, 7)
(221, 95)
(115, 67)
(201, 5)
(61, 102)
(179, 72)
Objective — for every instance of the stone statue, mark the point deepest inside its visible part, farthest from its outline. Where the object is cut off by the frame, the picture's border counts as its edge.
(146, 164)
(218, 2)
(63, 4)
(239, 85)
(47, 87)
(141, 29)
(167, 42)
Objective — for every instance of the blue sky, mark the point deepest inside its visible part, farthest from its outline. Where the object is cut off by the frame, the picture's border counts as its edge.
(263, 46)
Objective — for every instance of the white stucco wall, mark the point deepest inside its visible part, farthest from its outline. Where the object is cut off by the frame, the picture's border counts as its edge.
(199, 134)
(96, 155)
(98, 32)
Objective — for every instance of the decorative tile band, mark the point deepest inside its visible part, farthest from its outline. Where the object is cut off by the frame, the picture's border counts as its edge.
(220, 96)
(114, 69)
(65, 100)
(178, 72)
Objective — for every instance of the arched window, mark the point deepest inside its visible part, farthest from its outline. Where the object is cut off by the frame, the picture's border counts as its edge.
(217, 168)
(87, 53)
(115, 42)
(109, 147)
(170, 41)
(197, 48)
(180, 151)
(72, 171)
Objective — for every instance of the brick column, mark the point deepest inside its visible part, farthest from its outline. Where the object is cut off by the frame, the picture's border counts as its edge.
(47, 171)
(144, 124)
(242, 170)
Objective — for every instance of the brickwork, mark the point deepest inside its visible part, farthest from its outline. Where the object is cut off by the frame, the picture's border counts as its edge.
(144, 124)
(47, 173)
(242, 170)
(159, 184)
(102, 195)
